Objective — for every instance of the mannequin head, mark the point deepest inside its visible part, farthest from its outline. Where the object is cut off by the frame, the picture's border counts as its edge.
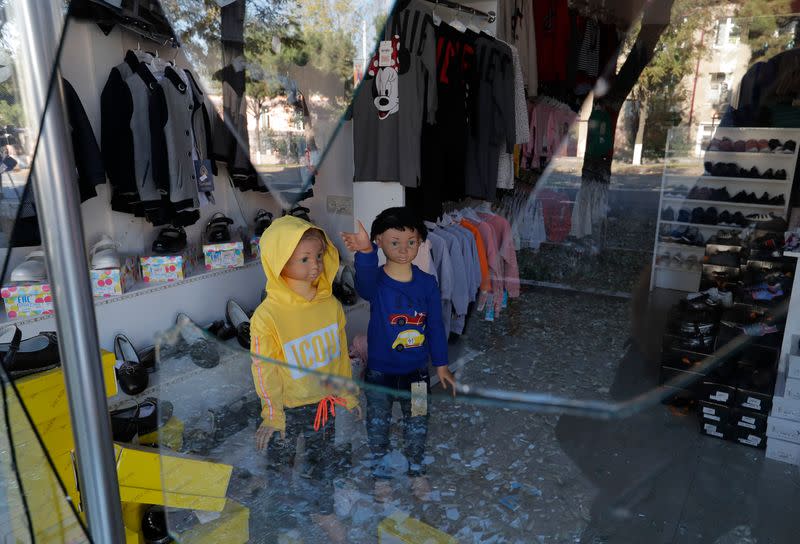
(399, 233)
(305, 265)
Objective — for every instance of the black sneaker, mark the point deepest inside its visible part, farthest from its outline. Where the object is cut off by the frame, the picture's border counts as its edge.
(711, 216)
(780, 174)
(720, 194)
(774, 144)
(709, 166)
(768, 174)
(789, 146)
(698, 216)
(668, 214)
(777, 201)
(764, 199)
(752, 198)
(754, 173)
(739, 219)
(683, 216)
(724, 218)
(739, 197)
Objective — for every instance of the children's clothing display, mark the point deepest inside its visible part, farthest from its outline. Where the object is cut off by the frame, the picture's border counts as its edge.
(305, 335)
(549, 125)
(515, 25)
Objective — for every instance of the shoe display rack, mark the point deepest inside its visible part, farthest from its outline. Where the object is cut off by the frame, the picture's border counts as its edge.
(743, 178)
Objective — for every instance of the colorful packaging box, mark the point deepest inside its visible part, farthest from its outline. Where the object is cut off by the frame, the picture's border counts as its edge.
(255, 249)
(109, 282)
(401, 529)
(168, 268)
(228, 255)
(27, 299)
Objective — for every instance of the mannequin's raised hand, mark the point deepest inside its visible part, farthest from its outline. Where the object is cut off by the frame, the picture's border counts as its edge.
(358, 241)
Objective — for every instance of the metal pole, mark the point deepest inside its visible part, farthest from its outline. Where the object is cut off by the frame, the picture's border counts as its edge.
(40, 25)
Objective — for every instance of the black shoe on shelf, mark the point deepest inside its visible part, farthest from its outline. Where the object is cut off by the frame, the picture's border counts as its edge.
(738, 218)
(698, 216)
(724, 218)
(239, 320)
(711, 216)
(752, 198)
(684, 217)
(709, 166)
(154, 526)
(780, 174)
(777, 200)
(764, 199)
(35, 354)
(668, 214)
(754, 173)
(131, 373)
(739, 197)
(768, 174)
(789, 146)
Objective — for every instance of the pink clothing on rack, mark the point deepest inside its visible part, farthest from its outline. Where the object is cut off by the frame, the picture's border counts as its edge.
(495, 263)
(424, 261)
(507, 252)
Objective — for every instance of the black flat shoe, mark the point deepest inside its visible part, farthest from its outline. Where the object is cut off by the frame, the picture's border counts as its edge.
(144, 418)
(263, 221)
(131, 373)
(147, 357)
(170, 240)
(221, 330)
(35, 354)
(203, 353)
(154, 526)
(238, 319)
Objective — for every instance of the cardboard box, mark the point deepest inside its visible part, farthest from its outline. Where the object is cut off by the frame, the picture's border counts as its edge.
(781, 450)
(401, 529)
(228, 255)
(786, 408)
(749, 438)
(717, 430)
(109, 282)
(747, 420)
(714, 413)
(168, 268)
(27, 299)
(792, 390)
(783, 429)
(230, 527)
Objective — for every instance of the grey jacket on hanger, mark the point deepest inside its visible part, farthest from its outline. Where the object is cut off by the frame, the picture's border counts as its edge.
(144, 89)
(172, 123)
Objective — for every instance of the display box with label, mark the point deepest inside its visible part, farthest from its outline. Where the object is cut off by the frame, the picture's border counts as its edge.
(786, 408)
(109, 282)
(27, 299)
(745, 419)
(717, 430)
(227, 255)
(714, 412)
(783, 429)
(168, 268)
(781, 450)
(255, 248)
(717, 392)
(749, 438)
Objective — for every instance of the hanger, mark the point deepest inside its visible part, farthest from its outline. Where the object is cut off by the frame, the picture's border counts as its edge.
(436, 19)
(472, 26)
(158, 64)
(142, 56)
(456, 23)
(431, 225)
(469, 213)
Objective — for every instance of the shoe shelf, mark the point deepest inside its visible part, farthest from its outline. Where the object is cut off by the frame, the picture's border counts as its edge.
(725, 203)
(701, 225)
(141, 289)
(681, 160)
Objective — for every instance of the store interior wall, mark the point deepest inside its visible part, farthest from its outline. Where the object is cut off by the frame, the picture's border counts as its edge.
(87, 58)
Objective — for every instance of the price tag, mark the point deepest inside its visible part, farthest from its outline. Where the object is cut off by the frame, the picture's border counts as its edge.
(385, 53)
(419, 399)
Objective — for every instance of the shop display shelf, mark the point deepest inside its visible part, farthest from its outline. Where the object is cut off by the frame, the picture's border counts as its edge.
(675, 269)
(725, 203)
(677, 179)
(700, 250)
(748, 155)
(139, 289)
(701, 225)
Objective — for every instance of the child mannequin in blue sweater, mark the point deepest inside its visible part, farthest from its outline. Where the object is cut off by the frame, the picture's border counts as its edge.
(405, 331)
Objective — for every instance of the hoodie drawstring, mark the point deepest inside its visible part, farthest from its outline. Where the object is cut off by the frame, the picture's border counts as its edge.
(323, 408)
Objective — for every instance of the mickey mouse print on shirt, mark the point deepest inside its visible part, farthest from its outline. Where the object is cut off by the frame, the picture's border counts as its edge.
(385, 86)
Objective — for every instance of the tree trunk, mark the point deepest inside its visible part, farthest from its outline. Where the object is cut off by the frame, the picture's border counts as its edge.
(638, 141)
(591, 202)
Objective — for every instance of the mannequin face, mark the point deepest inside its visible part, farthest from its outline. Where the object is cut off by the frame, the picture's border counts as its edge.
(399, 246)
(305, 264)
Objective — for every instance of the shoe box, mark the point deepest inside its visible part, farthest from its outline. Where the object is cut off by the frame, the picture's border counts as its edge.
(786, 408)
(169, 268)
(725, 256)
(227, 255)
(713, 274)
(749, 438)
(27, 299)
(743, 314)
(400, 528)
(717, 430)
(728, 423)
(109, 282)
(714, 412)
(783, 429)
(783, 450)
(755, 388)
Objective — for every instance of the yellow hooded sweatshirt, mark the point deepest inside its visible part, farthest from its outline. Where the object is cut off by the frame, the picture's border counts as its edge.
(303, 335)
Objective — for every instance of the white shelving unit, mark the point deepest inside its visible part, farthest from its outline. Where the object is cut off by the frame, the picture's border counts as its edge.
(681, 169)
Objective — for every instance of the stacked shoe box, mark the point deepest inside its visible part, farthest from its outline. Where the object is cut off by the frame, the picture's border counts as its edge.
(783, 424)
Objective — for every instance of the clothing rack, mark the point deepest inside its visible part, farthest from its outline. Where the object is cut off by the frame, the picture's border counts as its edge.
(490, 15)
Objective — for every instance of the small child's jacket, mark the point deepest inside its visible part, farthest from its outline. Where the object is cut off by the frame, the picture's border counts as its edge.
(302, 335)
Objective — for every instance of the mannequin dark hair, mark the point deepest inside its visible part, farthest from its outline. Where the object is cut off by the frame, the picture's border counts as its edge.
(400, 218)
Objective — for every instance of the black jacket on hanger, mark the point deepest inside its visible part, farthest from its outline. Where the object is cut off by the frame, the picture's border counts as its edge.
(88, 160)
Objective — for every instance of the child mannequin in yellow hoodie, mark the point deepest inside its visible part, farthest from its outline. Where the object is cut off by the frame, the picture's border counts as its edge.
(302, 327)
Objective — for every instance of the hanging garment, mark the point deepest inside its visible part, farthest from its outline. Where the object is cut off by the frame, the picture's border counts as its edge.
(393, 101)
(589, 53)
(492, 121)
(116, 137)
(552, 23)
(557, 210)
(505, 172)
(472, 274)
(483, 262)
(88, 159)
(445, 273)
(423, 259)
(515, 26)
(172, 120)
(508, 254)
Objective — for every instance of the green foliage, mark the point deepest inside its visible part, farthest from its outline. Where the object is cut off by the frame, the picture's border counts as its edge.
(765, 27)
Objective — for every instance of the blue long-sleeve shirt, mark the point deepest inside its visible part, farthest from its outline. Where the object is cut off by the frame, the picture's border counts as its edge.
(405, 323)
